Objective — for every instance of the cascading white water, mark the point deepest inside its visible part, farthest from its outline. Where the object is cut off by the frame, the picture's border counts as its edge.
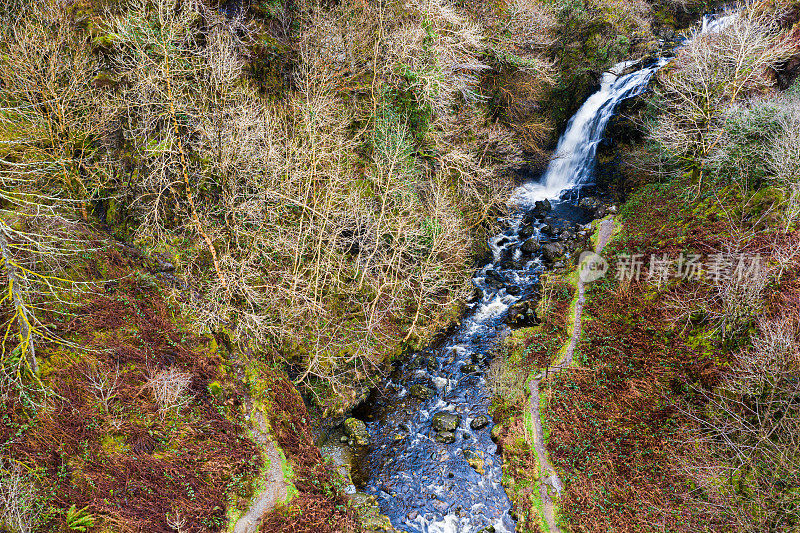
(574, 159)
(715, 23)
(428, 484)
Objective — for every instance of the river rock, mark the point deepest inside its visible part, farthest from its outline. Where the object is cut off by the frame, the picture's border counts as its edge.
(445, 437)
(475, 460)
(421, 392)
(357, 431)
(540, 209)
(552, 251)
(526, 231)
(548, 229)
(477, 295)
(513, 290)
(531, 246)
(494, 279)
(522, 314)
(469, 369)
(479, 422)
(444, 421)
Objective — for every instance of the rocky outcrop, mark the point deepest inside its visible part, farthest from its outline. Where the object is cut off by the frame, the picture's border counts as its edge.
(356, 431)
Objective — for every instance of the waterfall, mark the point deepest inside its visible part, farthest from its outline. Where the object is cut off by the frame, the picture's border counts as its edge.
(716, 23)
(432, 465)
(574, 160)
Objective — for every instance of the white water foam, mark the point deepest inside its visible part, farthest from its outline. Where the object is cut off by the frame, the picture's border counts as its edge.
(573, 163)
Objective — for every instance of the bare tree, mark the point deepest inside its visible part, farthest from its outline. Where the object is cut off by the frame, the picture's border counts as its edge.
(744, 449)
(103, 384)
(710, 72)
(169, 390)
(20, 506)
(784, 156)
(49, 113)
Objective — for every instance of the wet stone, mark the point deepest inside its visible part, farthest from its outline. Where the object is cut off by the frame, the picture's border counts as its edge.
(552, 251)
(475, 460)
(445, 422)
(542, 207)
(357, 431)
(479, 422)
(494, 279)
(469, 369)
(531, 246)
(445, 437)
(513, 290)
(526, 231)
(523, 314)
(421, 392)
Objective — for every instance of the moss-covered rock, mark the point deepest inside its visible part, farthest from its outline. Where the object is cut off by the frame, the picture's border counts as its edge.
(356, 430)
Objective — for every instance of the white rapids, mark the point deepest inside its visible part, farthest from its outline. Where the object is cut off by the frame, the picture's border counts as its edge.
(428, 486)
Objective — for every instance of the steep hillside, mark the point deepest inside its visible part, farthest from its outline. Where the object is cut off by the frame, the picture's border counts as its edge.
(220, 222)
(679, 411)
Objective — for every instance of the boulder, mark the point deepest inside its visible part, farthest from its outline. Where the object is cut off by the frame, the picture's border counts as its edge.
(531, 246)
(475, 460)
(444, 421)
(494, 279)
(479, 422)
(526, 231)
(522, 315)
(540, 209)
(552, 251)
(445, 437)
(421, 392)
(356, 430)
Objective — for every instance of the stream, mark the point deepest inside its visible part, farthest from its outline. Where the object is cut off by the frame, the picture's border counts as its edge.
(431, 462)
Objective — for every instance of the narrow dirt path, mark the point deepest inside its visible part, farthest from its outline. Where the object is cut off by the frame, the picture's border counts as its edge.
(275, 490)
(549, 477)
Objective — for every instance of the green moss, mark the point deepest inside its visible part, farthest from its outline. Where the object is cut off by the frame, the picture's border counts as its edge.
(114, 444)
